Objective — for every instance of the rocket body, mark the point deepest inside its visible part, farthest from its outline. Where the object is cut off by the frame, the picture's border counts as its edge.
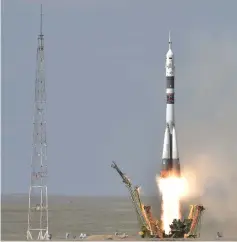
(170, 155)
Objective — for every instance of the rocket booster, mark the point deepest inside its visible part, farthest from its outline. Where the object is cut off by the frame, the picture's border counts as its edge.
(170, 155)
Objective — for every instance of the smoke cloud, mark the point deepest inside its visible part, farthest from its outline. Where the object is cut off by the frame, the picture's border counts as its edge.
(206, 103)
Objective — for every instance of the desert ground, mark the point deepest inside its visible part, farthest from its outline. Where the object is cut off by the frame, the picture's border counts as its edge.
(98, 217)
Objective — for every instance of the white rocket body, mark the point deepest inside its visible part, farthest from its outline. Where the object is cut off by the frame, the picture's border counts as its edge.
(170, 160)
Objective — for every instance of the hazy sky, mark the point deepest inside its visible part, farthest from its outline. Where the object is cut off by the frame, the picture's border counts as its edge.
(106, 89)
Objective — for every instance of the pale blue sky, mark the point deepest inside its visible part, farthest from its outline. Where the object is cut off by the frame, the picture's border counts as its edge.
(106, 89)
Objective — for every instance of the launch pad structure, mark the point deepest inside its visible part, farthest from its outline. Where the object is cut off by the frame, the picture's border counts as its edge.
(151, 227)
(38, 222)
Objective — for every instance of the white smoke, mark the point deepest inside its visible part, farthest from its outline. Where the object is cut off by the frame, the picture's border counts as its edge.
(206, 103)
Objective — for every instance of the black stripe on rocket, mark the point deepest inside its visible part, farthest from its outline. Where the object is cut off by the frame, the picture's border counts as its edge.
(170, 82)
(170, 85)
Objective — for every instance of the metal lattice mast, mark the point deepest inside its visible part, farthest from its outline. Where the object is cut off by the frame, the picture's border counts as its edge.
(38, 198)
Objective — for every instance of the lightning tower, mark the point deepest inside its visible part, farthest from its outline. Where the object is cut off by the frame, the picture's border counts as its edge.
(38, 198)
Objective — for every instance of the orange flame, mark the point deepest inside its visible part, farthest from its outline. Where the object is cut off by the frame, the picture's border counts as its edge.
(172, 189)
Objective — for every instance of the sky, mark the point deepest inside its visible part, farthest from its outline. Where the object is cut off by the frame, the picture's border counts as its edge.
(105, 80)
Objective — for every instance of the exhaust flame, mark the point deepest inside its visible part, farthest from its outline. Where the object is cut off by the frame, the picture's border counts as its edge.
(171, 189)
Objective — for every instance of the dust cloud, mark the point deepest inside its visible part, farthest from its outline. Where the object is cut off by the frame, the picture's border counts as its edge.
(206, 97)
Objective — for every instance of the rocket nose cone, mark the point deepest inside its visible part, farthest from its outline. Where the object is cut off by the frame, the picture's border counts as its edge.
(169, 54)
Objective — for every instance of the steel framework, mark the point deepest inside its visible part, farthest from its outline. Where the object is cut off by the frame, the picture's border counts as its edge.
(38, 223)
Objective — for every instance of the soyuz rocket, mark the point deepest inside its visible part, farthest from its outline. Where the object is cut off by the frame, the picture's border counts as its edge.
(170, 154)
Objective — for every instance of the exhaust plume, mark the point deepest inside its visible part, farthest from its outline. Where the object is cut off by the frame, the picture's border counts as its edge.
(208, 135)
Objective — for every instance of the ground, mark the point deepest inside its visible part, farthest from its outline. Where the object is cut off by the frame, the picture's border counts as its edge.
(99, 217)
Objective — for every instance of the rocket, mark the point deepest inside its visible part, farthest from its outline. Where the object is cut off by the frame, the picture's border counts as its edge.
(170, 154)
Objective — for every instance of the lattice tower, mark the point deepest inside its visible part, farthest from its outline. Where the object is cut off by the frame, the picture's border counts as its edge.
(38, 223)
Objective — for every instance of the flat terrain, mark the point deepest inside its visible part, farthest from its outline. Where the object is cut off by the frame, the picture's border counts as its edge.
(100, 216)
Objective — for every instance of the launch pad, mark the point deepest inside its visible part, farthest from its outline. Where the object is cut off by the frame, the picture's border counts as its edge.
(151, 227)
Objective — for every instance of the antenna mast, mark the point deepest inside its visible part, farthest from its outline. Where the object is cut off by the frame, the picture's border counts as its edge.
(38, 197)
